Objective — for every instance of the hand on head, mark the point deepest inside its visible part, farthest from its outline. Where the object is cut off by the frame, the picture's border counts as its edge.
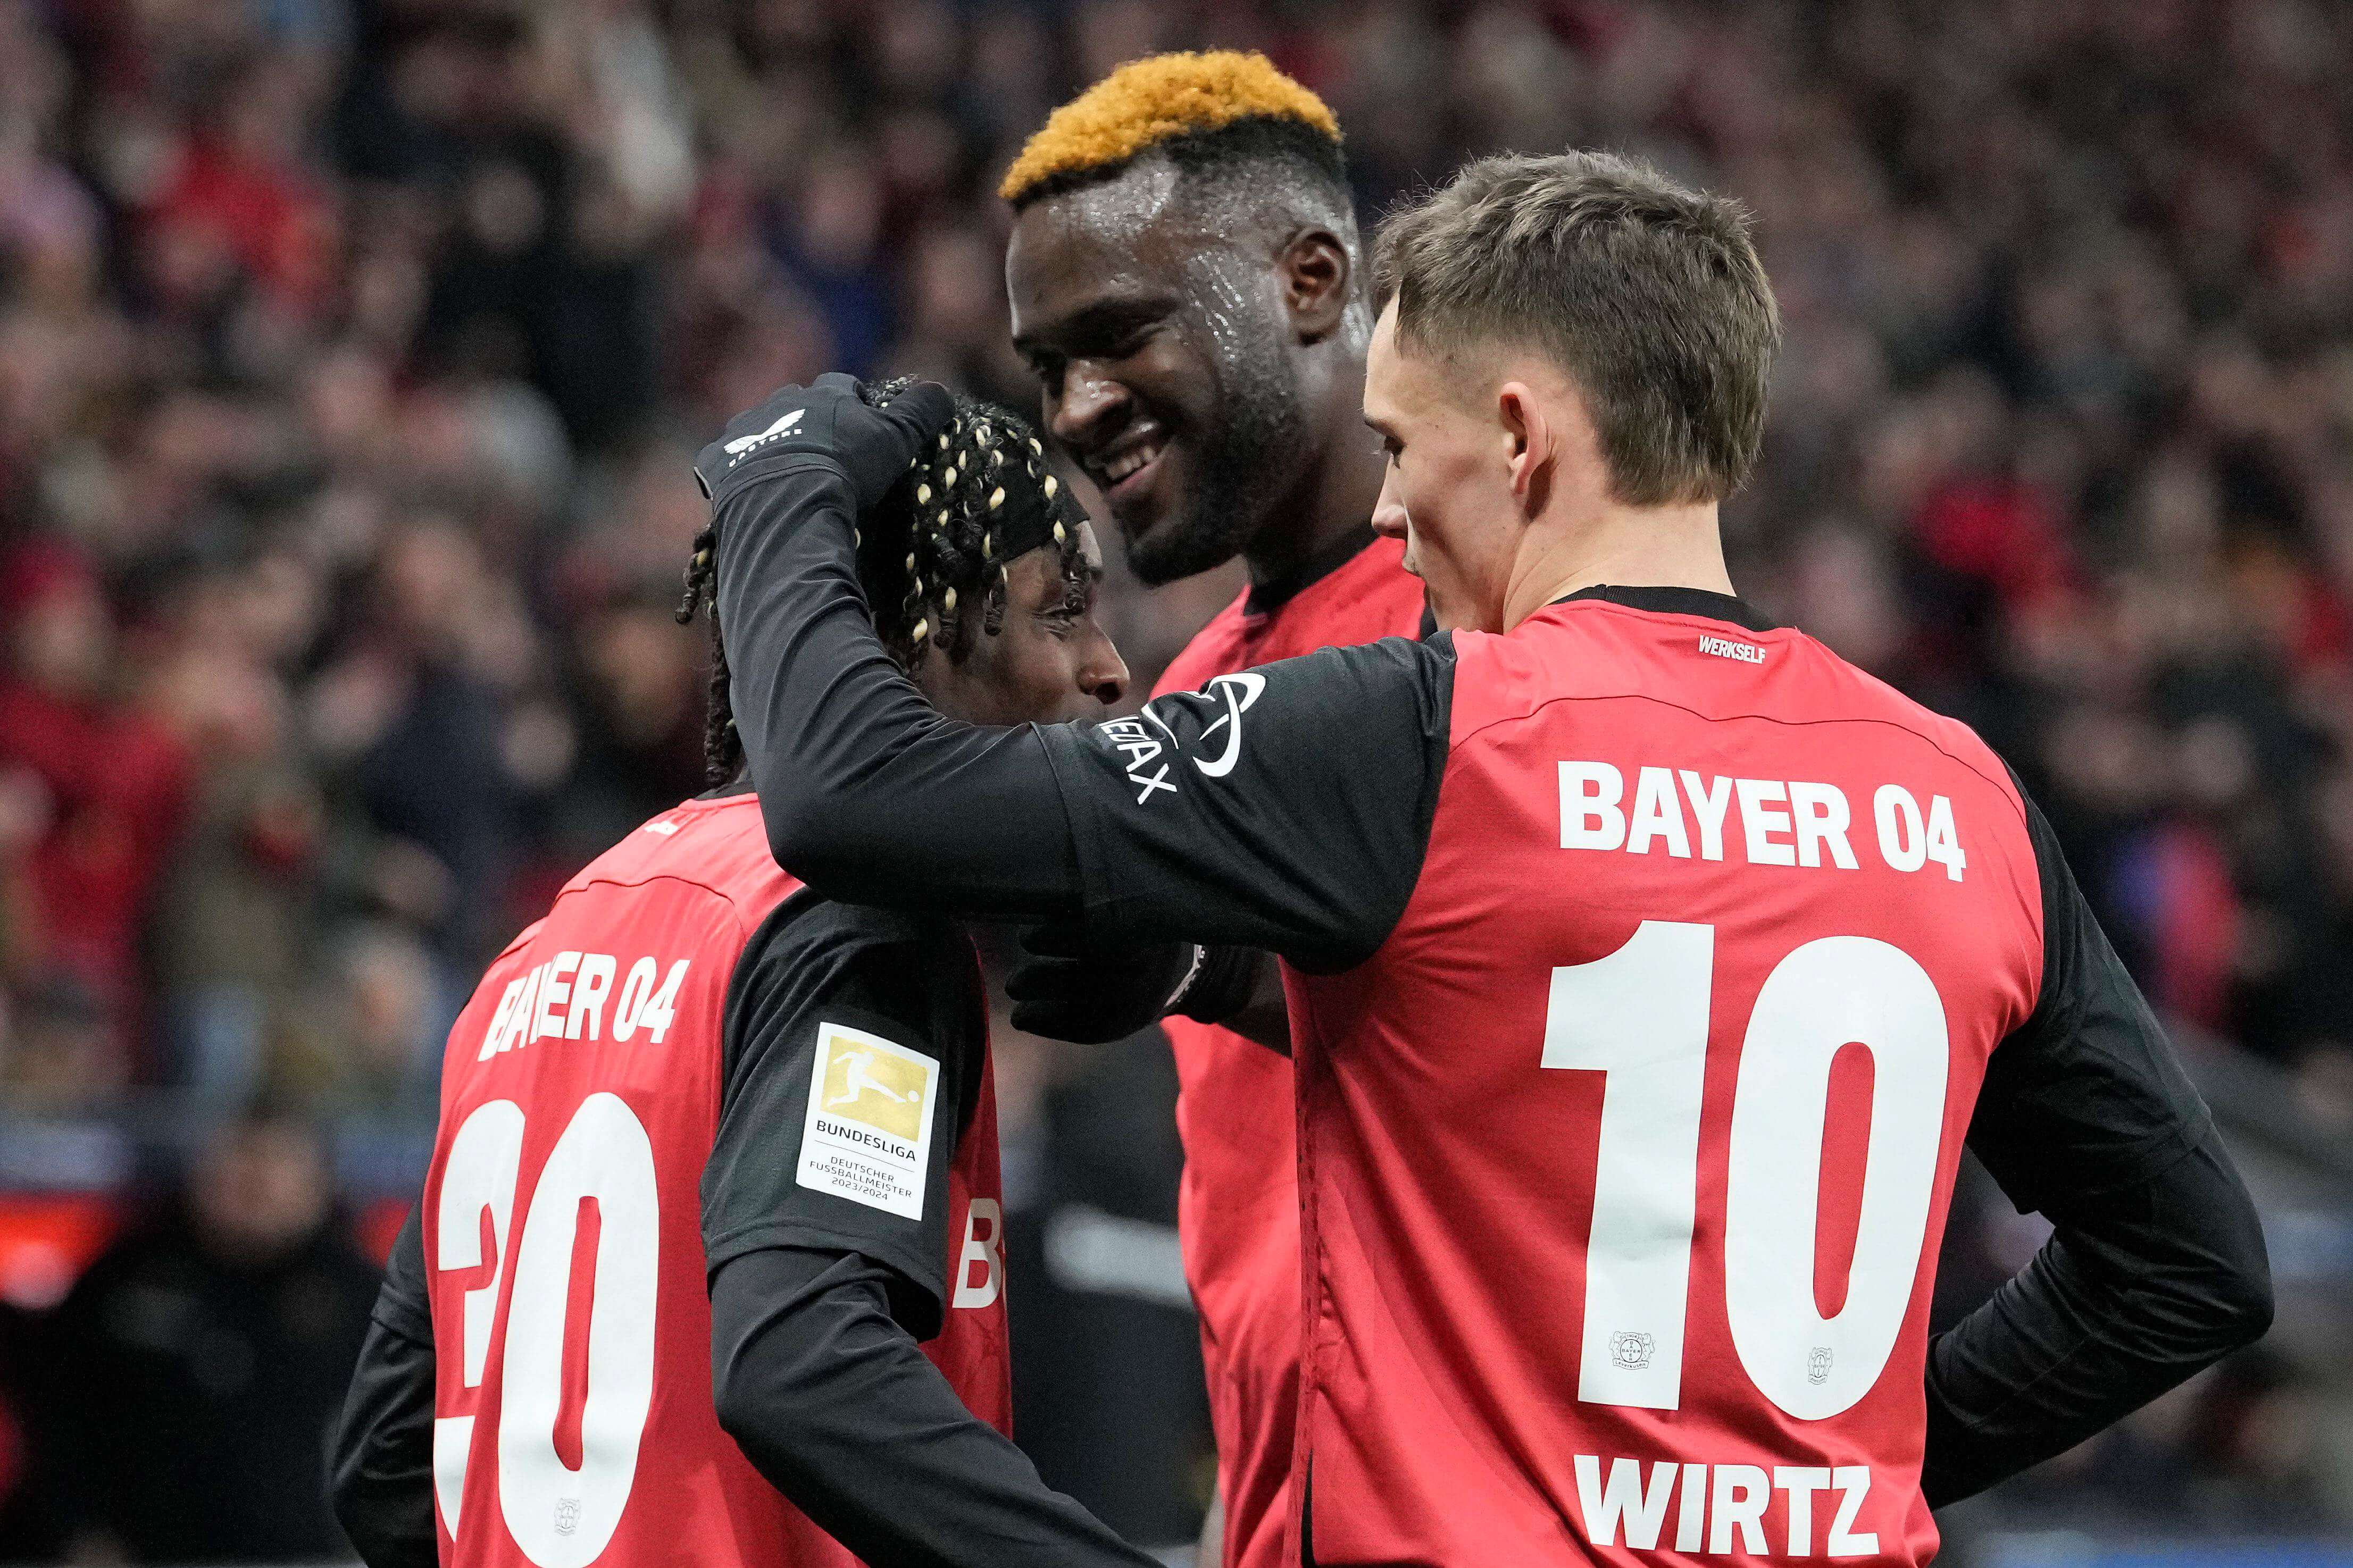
(979, 568)
(873, 446)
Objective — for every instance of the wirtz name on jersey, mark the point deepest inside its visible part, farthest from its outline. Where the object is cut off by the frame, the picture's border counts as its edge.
(564, 998)
(1781, 822)
(1723, 1507)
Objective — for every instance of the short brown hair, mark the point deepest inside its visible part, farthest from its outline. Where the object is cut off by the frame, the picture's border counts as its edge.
(1650, 294)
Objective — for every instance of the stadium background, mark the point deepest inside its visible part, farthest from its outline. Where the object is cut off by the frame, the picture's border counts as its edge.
(352, 355)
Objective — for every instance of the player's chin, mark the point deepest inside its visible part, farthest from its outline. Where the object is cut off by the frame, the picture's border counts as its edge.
(1448, 611)
(1147, 503)
(1171, 545)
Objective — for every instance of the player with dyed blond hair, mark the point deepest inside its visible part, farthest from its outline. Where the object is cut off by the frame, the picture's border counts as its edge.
(1188, 282)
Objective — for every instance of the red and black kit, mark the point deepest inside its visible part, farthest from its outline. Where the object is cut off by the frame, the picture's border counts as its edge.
(1649, 968)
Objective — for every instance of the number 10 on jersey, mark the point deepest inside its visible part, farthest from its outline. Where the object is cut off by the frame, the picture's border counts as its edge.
(1640, 1017)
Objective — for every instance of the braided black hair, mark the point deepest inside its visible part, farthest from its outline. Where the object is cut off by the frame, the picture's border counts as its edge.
(937, 545)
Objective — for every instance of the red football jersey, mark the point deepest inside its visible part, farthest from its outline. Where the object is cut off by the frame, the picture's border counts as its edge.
(562, 1221)
(1627, 1155)
(1238, 1203)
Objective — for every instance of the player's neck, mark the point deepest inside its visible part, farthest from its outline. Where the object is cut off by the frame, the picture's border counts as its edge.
(1626, 547)
(1336, 490)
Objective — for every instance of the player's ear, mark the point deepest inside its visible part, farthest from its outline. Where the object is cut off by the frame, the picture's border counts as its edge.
(1316, 282)
(1526, 437)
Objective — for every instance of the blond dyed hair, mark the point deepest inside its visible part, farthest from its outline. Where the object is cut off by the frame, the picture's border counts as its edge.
(1160, 102)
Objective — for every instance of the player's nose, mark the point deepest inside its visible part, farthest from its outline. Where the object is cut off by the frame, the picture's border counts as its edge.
(1388, 512)
(1089, 409)
(1103, 674)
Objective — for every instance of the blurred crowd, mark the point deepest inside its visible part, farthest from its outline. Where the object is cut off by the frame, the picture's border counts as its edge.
(353, 352)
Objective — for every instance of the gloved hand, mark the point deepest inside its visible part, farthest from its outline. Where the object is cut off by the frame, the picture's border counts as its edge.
(872, 446)
(1067, 988)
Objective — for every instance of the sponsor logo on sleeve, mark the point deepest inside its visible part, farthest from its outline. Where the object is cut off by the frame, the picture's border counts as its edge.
(1237, 692)
(1217, 746)
(1144, 753)
(868, 1133)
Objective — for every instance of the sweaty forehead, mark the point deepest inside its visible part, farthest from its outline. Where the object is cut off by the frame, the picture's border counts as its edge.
(1124, 210)
(1138, 234)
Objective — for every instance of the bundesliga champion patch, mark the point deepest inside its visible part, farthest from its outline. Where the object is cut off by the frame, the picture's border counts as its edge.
(868, 1134)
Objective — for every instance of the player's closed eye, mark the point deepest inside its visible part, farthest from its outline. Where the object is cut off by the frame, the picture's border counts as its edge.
(1131, 342)
(1063, 617)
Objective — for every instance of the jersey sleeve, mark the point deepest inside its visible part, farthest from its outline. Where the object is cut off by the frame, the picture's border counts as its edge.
(380, 1453)
(1290, 814)
(879, 1018)
(2156, 1265)
(2088, 1095)
(1286, 807)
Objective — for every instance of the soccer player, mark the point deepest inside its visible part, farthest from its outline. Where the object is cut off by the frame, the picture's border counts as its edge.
(1649, 965)
(1186, 282)
(716, 1151)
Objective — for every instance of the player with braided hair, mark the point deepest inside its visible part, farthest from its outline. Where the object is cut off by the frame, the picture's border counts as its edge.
(977, 531)
(792, 1317)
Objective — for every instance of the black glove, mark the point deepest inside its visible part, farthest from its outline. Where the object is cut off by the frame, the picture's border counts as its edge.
(1067, 988)
(873, 446)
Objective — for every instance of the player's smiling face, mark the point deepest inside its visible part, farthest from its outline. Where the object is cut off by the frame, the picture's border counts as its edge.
(1447, 490)
(1050, 660)
(1160, 351)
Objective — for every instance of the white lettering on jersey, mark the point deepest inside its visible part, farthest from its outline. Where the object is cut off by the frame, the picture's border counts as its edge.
(588, 988)
(1708, 806)
(1131, 740)
(984, 1247)
(1144, 753)
(1589, 817)
(554, 991)
(1759, 821)
(1738, 1504)
(1656, 816)
(563, 998)
(1853, 1482)
(1728, 1505)
(1906, 842)
(1625, 1504)
(1783, 822)
(1725, 647)
(1822, 815)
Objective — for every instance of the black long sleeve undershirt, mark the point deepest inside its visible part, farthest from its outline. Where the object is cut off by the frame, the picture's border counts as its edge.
(815, 1380)
(1281, 842)
(2136, 1291)
(2156, 1265)
(380, 1453)
(844, 751)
